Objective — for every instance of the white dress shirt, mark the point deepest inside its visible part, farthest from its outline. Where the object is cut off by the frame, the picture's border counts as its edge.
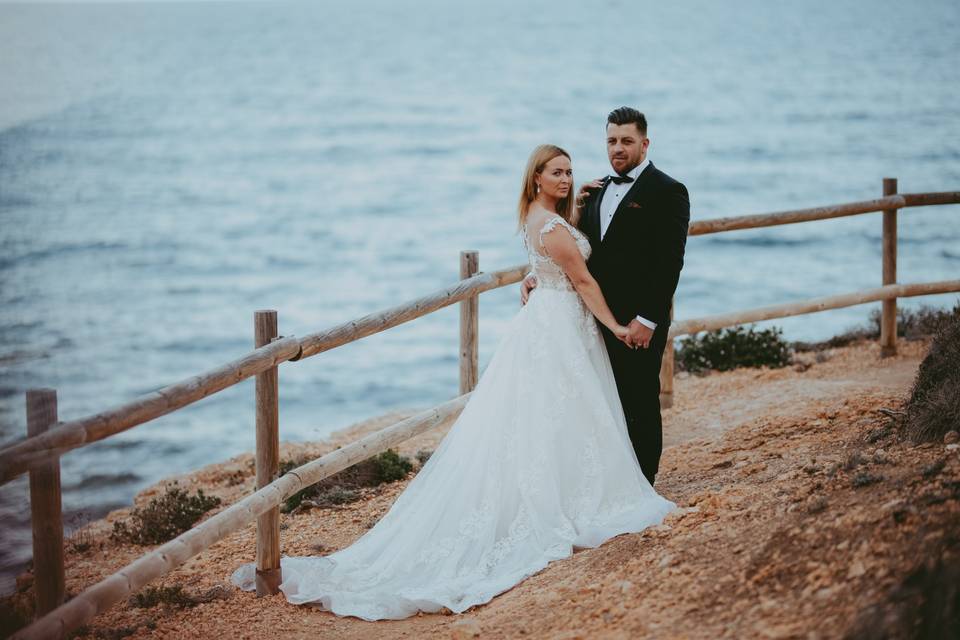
(612, 198)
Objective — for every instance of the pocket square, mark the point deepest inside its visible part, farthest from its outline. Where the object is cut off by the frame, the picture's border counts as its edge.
(634, 205)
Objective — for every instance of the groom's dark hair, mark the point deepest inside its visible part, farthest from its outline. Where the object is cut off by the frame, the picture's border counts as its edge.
(626, 115)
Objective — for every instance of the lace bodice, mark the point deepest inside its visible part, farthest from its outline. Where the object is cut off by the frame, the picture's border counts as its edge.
(548, 273)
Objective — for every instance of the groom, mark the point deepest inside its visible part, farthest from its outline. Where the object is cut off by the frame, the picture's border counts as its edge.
(636, 221)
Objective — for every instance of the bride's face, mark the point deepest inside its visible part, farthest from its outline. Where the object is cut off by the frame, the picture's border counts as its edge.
(556, 179)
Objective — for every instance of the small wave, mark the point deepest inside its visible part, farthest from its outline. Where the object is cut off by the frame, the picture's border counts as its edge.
(119, 445)
(11, 201)
(60, 251)
(949, 255)
(101, 480)
(764, 242)
(20, 356)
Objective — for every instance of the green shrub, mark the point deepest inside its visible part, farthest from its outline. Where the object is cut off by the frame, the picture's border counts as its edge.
(731, 348)
(164, 518)
(152, 596)
(934, 404)
(342, 487)
(391, 466)
(924, 321)
(865, 478)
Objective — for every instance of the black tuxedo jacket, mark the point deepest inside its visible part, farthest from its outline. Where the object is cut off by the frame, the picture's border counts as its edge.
(638, 262)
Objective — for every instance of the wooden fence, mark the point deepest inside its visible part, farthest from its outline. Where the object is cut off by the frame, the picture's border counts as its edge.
(48, 438)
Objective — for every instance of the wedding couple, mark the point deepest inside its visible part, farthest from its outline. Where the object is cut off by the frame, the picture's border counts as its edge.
(560, 442)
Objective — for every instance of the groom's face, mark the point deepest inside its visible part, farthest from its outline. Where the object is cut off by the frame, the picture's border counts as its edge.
(626, 146)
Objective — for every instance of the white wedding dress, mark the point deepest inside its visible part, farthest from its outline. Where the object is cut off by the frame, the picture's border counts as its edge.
(538, 463)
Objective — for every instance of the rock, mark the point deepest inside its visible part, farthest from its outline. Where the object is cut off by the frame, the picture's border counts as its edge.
(951, 437)
(856, 570)
(464, 629)
(625, 586)
(896, 503)
(665, 561)
(953, 447)
(880, 456)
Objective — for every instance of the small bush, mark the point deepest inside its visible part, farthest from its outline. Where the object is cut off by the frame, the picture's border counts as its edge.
(336, 496)
(865, 478)
(911, 324)
(731, 348)
(391, 466)
(924, 321)
(164, 518)
(152, 596)
(934, 405)
(342, 487)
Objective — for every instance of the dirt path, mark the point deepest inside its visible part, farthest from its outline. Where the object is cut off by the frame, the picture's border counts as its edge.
(792, 524)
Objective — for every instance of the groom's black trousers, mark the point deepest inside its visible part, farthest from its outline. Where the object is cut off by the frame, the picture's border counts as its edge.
(638, 382)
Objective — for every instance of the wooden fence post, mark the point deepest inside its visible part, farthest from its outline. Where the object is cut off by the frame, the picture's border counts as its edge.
(469, 325)
(666, 371)
(268, 577)
(45, 508)
(888, 316)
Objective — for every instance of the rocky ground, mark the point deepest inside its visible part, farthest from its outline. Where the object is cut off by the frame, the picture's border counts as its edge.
(803, 516)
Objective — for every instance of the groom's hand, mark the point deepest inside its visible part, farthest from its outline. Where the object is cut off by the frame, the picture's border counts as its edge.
(639, 336)
(529, 284)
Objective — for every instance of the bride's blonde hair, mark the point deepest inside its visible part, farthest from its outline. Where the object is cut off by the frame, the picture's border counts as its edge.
(528, 189)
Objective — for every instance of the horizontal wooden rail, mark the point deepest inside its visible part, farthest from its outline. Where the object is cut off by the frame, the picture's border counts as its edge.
(717, 225)
(720, 321)
(17, 458)
(935, 197)
(315, 343)
(119, 586)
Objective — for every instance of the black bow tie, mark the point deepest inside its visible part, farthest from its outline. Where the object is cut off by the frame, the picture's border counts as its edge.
(620, 179)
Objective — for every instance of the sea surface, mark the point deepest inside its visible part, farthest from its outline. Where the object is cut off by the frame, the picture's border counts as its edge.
(166, 169)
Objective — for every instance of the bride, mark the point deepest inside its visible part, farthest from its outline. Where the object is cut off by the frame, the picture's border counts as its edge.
(538, 463)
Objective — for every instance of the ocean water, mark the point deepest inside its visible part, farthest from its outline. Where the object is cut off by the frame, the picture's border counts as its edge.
(168, 168)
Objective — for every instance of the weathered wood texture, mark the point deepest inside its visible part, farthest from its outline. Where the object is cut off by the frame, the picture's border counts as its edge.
(717, 225)
(268, 577)
(46, 515)
(711, 323)
(926, 199)
(165, 558)
(469, 325)
(666, 372)
(888, 315)
(66, 436)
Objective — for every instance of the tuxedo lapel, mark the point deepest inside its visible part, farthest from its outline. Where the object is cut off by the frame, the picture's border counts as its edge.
(632, 194)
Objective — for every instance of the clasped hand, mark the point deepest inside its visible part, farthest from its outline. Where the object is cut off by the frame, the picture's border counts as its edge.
(635, 335)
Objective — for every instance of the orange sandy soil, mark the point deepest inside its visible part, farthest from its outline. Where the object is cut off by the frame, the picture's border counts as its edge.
(774, 539)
